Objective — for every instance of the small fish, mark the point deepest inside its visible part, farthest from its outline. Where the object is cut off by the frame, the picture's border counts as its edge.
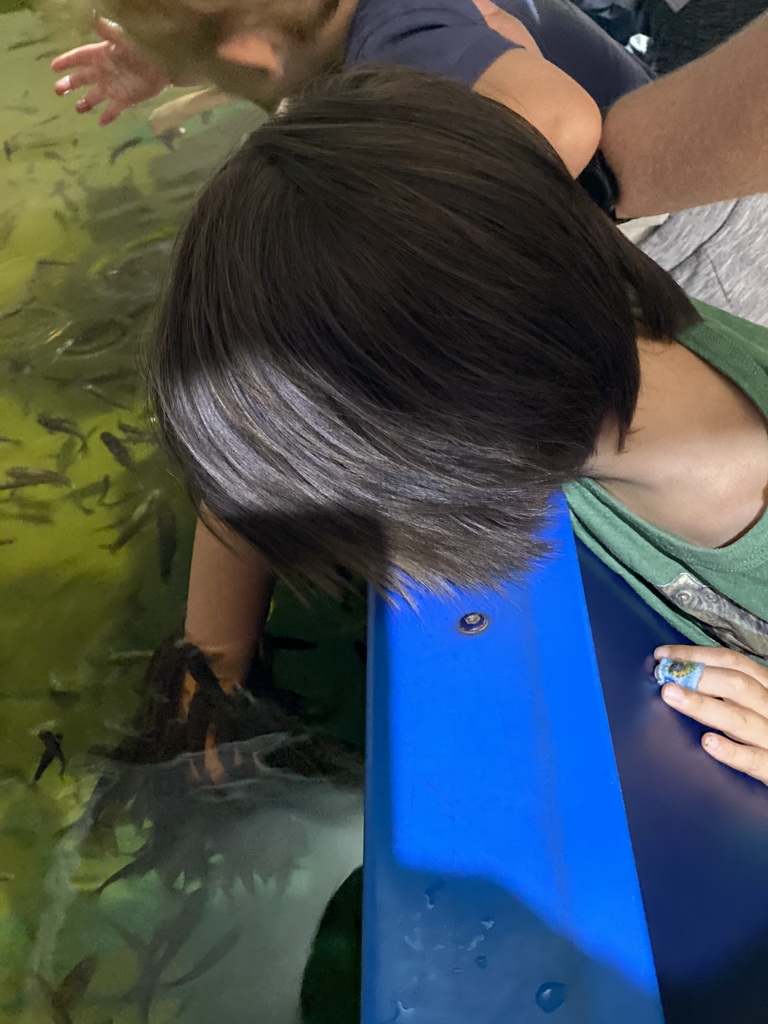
(59, 425)
(48, 120)
(60, 190)
(21, 476)
(5, 541)
(117, 449)
(93, 390)
(169, 137)
(20, 46)
(135, 435)
(67, 455)
(66, 996)
(272, 643)
(33, 518)
(9, 440)
(73, 987)
(97, 490)
(52, 743)
(130, 657)
(140, 517)
(124, 147)
(62, 694)
(215, 954)
(52, 263)
(166, 539)
(7, 149)
(6, 876)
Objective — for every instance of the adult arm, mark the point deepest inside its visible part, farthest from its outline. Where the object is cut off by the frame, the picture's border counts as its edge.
(696, 136)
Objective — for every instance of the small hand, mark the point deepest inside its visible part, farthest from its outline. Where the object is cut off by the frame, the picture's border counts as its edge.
(732, 697)
(117, 72)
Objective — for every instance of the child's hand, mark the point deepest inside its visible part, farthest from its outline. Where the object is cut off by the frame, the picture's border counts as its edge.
(117, 72)
(732, 697)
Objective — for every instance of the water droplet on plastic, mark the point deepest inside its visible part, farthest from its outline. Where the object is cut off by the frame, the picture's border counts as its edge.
(414, 941)
(481, 962)
(488, 923)
(431, 892)
(551, 996)
(476, 942)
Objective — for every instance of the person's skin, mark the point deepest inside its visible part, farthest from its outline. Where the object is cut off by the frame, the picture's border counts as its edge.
(696, 136)
(230, 589)
(230, 583)
(118, 74)
(695, 432)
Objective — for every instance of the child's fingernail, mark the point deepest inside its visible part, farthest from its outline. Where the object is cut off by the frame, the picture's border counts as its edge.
(711, 742)
(673, 694)
(684, 673)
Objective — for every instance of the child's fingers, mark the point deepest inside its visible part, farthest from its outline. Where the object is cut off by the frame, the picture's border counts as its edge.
(735, 687)
(716, 657)
(111, 113)
(77, 80)
(747, 759)
(81, 56)
(93, 98)
(109, 31)
(741, 723)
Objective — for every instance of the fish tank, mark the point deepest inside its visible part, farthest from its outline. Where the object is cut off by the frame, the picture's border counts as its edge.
(152, 870)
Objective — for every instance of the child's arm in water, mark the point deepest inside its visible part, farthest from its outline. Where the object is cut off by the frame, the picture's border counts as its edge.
(230, 588)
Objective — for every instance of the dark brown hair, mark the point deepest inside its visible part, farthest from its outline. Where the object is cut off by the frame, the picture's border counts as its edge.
(393, 319)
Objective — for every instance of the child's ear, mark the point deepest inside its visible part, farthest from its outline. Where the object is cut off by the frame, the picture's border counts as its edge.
(256, 48)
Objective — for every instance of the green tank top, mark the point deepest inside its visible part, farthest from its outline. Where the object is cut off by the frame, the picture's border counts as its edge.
(713, 596)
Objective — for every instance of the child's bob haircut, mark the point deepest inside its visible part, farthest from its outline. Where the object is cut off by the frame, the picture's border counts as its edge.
(394, 326)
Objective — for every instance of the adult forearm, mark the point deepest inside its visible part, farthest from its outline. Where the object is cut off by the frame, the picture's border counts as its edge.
(696, 136)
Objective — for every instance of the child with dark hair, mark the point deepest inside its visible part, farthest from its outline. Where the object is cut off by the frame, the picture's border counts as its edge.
(395, 326)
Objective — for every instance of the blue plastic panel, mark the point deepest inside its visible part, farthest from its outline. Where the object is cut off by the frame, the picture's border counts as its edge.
(500, 884)
(699, 829)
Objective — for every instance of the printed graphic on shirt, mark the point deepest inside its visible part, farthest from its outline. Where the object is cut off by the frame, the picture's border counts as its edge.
(725, 621)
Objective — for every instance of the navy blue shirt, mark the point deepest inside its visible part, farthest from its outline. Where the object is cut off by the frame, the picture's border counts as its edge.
(451, 38)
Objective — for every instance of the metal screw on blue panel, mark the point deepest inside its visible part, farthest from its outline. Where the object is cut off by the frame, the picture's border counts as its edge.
(472, 623)
(550, 996)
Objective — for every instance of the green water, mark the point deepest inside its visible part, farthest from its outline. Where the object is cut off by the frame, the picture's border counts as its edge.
(93, 568)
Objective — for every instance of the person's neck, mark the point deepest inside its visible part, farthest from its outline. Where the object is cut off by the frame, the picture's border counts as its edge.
(696, 459)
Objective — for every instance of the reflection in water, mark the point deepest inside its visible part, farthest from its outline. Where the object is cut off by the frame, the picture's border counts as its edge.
(162, 858)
